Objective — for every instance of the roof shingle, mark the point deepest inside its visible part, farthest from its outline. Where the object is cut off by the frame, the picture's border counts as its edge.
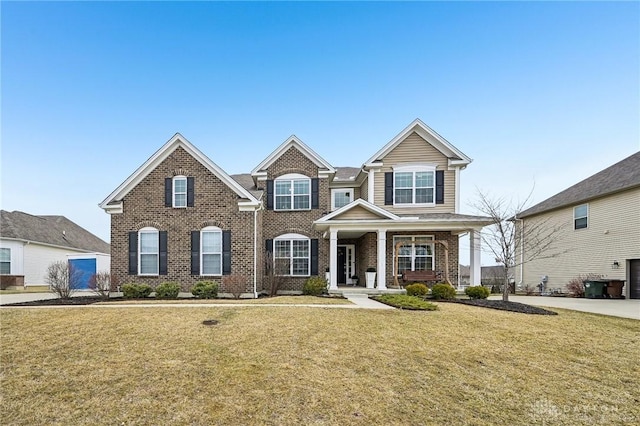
(619, 177)
(52, 230)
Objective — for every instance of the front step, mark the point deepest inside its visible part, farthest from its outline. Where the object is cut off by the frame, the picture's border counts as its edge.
(345, 291)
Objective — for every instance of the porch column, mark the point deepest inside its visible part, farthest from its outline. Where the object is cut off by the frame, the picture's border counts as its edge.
(333, 259)
(474, 257)
(382, 259)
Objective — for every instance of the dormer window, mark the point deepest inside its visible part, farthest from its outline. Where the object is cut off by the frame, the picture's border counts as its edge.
(180, 191)
(292, 192)
(414, 185)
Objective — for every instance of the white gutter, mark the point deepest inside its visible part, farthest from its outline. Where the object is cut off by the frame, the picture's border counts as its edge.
(521, 250)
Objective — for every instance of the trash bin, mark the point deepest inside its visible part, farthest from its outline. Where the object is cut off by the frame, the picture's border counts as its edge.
(614, 289)
(595, 289)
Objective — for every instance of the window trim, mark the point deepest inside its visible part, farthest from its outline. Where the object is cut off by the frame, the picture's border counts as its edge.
(413, 249)
(413, 169)
(174, 192)
(290, 238)
(8, 249)
(212, 229)
(335, 191)
(576, 218)
(148, 230)
(291, 177)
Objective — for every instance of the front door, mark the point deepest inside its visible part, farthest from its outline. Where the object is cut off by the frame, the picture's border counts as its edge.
(346, 264)
(634, 279)
(342, 261)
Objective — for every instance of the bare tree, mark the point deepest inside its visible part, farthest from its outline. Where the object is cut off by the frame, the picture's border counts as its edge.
(63, 279)
(506, 238)
(100, 283)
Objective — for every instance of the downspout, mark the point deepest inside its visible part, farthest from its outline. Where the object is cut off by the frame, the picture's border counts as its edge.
(255, 251)
(521, 250)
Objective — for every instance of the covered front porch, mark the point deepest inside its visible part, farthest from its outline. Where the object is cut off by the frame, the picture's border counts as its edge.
(390, 244)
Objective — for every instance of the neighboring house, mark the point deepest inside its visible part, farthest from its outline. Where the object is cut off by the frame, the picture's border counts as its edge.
(600, 217)
(180, 217)
(29, 244)
(490, 275)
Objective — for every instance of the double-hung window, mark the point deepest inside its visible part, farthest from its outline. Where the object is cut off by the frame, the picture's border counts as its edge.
(148, 251)
(180, 191)
(414, 184)
(292, 192)
(581, 216)
(416, 254)
(5, 261)
(211, 251)
(292, 255)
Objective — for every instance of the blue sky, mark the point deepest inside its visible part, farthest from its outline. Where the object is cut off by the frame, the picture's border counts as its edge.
(536, 93)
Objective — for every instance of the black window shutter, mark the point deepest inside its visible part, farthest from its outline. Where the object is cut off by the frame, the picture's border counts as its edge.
(268, 259)
(133, 253)
(268, 246)
(226, 252)
(168, 192)
(162, 246)
(314, 257)
(195, 252)
(315, 192)
(440, 187)
(269, 194)
(388, 188)
(190, 191)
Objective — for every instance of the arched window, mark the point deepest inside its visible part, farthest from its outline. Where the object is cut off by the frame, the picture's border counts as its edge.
(148, 251)
(292, 255)
(211, 251)
(292, 192)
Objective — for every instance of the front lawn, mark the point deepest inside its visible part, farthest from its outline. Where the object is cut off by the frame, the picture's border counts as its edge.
(458, 365)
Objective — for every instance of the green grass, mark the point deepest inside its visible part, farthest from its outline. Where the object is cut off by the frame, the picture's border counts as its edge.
(402, 301)
(289, 366)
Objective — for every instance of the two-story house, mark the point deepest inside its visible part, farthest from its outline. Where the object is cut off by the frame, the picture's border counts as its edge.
(180, 217)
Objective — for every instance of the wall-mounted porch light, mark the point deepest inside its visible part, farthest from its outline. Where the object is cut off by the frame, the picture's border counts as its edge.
(615, 265)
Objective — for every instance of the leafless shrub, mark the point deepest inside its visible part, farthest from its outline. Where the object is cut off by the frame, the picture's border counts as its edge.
(528, 289)
(63, 279)
(235, 284)
(100, 283)
(575, 286)
(274, 273)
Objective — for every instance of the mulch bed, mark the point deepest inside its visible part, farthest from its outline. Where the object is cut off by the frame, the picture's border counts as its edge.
(75, 301)
(502, 306)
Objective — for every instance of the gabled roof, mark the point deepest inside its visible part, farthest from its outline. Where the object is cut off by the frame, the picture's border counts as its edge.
(619, 177)
(176, 141)
(359, 203)
(246, 181)
(302, 147)
(455, 156)
(50, 230)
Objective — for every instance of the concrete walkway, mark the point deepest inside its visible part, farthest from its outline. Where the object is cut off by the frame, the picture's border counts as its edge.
(359, 301)
(623, 308)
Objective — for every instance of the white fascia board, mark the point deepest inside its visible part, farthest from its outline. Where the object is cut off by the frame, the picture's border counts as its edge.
(29, 242)
(391, 225)
(114, 208)
(159, 156)
(325, 173)
(373, 165)
(248, 206)
(302, 147)
(428, 134)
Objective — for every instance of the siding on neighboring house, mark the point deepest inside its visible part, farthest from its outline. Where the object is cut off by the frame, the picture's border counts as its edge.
(608, 237)
(215, 205)
(17, 256)
(37, 259)
(414, 149)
